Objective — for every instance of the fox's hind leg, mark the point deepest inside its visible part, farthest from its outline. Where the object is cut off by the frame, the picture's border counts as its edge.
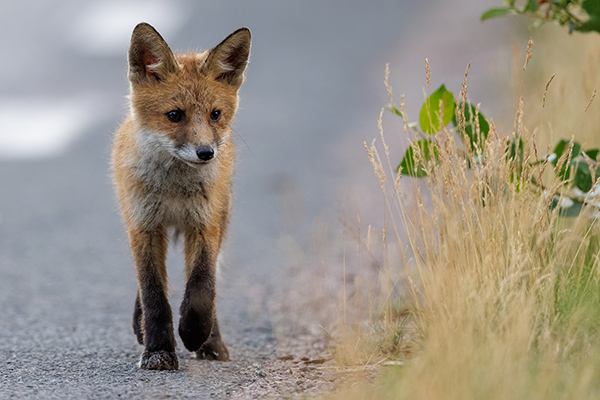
(153, 321)
(198, 326)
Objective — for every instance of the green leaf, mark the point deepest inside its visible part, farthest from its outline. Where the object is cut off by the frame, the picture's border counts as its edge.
(592, 153)
(470, 128)
(564, 173)
(516, 148)
(592, 7)
(496, 12)
(562, 146)
(532, 5)
(559, 150)
(591, 25)
(583, 177)
(415, 167)
(429, 118)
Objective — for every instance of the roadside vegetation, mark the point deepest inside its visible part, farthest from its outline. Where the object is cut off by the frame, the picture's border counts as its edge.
(488, 266)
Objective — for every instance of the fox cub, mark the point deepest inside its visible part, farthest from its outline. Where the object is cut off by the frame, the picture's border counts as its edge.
(172, 163)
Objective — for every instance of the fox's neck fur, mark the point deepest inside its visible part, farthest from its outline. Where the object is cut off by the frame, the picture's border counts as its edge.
(169, 191)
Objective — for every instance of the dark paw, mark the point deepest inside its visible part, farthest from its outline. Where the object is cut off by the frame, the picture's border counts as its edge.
(194, 331)
(213, 349)
(159, 360)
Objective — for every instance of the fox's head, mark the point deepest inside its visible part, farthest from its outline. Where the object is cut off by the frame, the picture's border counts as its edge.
(185, 103)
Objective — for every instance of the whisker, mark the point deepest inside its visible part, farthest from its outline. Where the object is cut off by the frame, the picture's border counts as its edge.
(242, 138)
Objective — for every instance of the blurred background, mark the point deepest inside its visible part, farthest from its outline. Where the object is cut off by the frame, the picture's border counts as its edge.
(313, 92)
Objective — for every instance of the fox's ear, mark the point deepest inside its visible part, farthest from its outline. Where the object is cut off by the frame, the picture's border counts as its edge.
(150, 57)
(227, 61)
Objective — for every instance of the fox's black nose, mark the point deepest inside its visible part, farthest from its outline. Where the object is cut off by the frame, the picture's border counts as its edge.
(205, 153)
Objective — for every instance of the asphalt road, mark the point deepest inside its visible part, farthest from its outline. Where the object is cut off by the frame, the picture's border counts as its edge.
(67, 283)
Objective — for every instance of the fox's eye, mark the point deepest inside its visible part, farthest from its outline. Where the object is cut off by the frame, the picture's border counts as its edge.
(215, 115)
(176, 115)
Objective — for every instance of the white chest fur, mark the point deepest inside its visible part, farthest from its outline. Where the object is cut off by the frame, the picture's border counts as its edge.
(171, 193)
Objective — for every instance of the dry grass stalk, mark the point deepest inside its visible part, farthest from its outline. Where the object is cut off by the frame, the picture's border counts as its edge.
(591, 100)
(546, 90)
(529, 54)
(386, 82)
(428, 73)
(463, 101)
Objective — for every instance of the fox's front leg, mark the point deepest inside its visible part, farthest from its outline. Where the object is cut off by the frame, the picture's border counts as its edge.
(137, 319)
(198, 325)
(149, 250)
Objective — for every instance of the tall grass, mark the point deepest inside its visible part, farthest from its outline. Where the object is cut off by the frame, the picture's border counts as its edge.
(504, 293)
